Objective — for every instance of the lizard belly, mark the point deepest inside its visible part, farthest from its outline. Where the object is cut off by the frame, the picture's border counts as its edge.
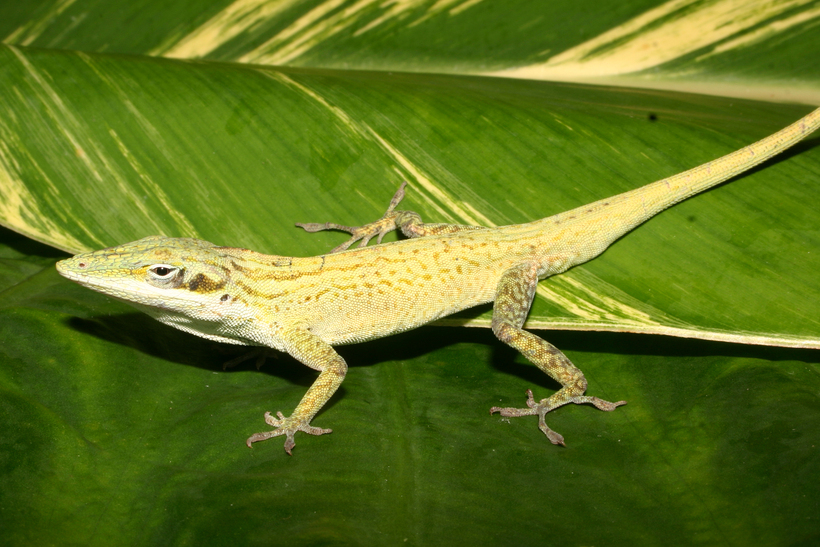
(375, 312)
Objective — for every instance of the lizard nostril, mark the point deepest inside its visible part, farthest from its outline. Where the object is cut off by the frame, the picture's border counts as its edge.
(81, 265)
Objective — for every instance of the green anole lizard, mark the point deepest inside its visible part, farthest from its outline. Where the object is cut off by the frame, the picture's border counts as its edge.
(305, 306)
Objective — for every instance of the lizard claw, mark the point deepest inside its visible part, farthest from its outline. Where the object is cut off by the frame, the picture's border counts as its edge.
(284, 426)
(362, 234)
(541, 408)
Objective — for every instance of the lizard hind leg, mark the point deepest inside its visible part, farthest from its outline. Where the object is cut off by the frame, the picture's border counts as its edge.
(362, 234)
(408, 222)
(514, 295)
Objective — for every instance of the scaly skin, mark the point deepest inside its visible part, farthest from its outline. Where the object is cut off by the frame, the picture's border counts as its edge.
(305, 306)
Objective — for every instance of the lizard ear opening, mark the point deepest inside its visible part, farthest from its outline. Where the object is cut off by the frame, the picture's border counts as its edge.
(164, 276)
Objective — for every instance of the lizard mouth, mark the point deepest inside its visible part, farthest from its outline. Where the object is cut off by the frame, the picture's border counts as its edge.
(64, 268)
(78, 270)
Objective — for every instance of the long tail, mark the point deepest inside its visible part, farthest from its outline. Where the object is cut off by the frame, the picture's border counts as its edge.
(619, 214)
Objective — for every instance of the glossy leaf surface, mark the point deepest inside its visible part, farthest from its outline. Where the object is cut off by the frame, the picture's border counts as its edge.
(127, 148)
(115, 429)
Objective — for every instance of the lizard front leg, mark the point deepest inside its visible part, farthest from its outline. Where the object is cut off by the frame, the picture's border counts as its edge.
(408, 222)
(310, 350)
(513, 299)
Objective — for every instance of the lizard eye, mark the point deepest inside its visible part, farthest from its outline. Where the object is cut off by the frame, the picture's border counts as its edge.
(164, 276)
(162, 271)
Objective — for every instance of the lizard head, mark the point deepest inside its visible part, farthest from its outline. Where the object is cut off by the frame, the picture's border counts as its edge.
(177, 275)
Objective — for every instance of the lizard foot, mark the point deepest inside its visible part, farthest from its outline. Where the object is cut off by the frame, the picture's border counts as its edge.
(545, 405)
(285, 426)
(362, 234)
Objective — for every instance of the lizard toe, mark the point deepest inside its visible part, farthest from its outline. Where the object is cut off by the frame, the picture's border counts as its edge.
(287, 426)
(542, 407)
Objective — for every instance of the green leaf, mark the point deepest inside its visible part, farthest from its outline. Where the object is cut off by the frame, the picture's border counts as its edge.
(116, 429)
(740, 48)
(127, 148)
